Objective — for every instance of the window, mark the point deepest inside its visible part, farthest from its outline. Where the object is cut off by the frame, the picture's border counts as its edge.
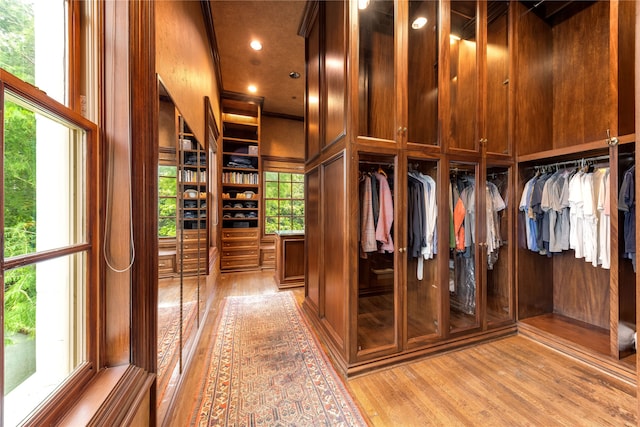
(167, 201)
(49, 213)
(283, 201)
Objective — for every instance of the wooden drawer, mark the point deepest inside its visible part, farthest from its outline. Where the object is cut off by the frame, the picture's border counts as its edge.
(166, 265)
(192, 268)
(239, 262)
(268, 257)
(237, 244)
(239, 252)
(239, 234)
(190, 255)
(194, 234)
(192, 245)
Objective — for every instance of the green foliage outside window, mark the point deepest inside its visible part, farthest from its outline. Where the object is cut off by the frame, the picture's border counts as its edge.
(167, 188)
(17, 55)
(283, 201)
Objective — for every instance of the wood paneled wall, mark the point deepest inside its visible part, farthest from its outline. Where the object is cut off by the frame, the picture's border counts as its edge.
(582, 109)
(115, 135)
(534, 115)
(184, 61)
(334, 256)
(313, 236)
(282, 138)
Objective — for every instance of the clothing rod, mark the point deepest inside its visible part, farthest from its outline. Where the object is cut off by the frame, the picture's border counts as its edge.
(367, 162)
(571, 162)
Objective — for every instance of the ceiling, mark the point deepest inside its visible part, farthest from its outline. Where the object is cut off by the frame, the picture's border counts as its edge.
(275, 24)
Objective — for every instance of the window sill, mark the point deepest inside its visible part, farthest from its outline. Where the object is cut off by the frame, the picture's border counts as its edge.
(114, 397)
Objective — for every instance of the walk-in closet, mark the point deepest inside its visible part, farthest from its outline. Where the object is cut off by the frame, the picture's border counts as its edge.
(453, 114)
(576, 135)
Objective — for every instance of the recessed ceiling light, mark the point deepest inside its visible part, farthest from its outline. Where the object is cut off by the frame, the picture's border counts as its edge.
(256, 45)
(252, 89)
(363, 4)
(294, 75)
(419, 22)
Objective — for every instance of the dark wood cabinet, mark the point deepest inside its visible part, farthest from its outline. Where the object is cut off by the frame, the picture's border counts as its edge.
(410, 111)
(577, 67)
(477, 98)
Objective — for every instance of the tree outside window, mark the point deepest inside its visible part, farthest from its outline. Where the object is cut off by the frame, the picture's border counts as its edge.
(167, 187)
(283, 201)
(49, 193)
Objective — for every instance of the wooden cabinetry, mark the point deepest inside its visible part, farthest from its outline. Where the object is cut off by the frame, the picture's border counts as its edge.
(241, 181)
(414, 112)
(240, 248)
(472, 100)
(578, 64)
(193, 206)
(289, 259)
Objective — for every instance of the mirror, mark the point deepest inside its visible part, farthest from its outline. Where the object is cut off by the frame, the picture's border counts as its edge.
(183, 242)
(212, 135)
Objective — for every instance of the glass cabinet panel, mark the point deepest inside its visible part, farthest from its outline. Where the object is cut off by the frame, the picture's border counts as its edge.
(423, 288)
(498, 259)
(463, 75)
(496, 129)
(422, 72)
(376, 81)
(463, 298)
(376, 266)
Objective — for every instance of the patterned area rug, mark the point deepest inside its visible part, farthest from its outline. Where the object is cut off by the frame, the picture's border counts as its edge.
(266, 369)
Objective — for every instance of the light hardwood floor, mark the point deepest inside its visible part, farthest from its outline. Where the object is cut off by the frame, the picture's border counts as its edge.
(509, 382)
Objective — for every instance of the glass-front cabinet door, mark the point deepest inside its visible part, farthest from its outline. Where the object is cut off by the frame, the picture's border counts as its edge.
(421, 73)
(376, 70)
(497, 256)
(464, 296)
(496, 121)
(463, 75)
(377, 249)
(423, 281)
(479, 76)
(397, 64)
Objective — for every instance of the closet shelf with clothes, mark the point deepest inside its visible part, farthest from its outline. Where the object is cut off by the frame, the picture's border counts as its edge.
(569, 209)
(422, 215)
(462, 209)
(376, 213)
(627, 204)
(463, 234)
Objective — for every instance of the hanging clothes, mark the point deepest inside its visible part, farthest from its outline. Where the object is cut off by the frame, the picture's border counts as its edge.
(528, 219)
(604, 234)
(566, 210)
(385, 220)
(627, 204)
(494, 205)
(422, 214)
(463, 285)
(367, 227)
